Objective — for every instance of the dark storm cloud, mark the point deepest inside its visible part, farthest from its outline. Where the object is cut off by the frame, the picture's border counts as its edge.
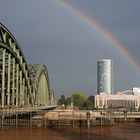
(50, 34)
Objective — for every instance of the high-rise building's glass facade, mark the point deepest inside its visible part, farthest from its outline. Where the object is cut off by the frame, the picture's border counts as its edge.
(104, 73)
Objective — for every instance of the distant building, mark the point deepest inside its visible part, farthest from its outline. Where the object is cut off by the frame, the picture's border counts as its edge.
(136, 90)
(104, 76)
(119, 100)
(105, 99)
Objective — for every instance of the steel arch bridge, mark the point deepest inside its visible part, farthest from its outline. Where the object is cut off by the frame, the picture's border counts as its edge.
(20, 83)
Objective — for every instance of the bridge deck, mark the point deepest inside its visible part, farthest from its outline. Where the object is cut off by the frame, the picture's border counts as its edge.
(27, 109)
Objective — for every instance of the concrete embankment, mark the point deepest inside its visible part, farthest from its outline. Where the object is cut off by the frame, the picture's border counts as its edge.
(57, 118)
(78, 118)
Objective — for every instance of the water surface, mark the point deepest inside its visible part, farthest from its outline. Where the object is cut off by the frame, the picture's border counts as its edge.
(116, 132)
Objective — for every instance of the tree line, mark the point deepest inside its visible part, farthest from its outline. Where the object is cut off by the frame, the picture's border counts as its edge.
(79, 100)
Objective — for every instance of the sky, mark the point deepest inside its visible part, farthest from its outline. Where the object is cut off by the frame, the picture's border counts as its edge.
(49, 33)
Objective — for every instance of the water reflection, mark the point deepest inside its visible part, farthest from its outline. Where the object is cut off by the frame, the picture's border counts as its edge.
(117, 132)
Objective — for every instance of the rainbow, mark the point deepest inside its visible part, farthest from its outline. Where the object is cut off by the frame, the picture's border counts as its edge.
(97, 27)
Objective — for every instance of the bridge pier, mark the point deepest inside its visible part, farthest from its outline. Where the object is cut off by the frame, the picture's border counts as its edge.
(17, 83)
(13, 81)
(3, 78)
(8, 82)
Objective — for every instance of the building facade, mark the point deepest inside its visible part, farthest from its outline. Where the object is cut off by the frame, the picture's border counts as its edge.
(104, 76)
(119, 100)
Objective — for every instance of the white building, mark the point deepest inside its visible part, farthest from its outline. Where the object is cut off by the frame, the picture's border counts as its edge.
(119, 100)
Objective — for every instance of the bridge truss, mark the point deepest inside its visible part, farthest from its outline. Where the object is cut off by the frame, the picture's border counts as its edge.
(20, 83)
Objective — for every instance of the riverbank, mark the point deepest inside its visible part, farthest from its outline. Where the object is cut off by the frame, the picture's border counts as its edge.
(68, 118)
(57, 118)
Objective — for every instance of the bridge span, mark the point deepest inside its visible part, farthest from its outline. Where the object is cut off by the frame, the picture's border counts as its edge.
(21, 84)
(25, 110)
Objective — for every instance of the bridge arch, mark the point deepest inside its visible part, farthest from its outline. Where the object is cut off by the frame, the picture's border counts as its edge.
(15, 84)
(20, 83)
(40, 84)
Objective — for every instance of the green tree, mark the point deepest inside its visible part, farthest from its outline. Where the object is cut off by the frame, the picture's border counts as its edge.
(68, 101)
(91, 98)
(78, 99)
(62, 100)
(87, 105)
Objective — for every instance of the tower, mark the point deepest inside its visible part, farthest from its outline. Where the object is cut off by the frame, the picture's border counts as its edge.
(104, 76)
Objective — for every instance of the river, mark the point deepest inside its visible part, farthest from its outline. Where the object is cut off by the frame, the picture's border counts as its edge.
(116, 132)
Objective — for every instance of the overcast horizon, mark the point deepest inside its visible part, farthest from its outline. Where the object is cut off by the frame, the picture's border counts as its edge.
(50, 34)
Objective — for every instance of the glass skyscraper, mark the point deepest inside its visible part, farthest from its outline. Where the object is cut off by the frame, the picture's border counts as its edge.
(104, 76)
